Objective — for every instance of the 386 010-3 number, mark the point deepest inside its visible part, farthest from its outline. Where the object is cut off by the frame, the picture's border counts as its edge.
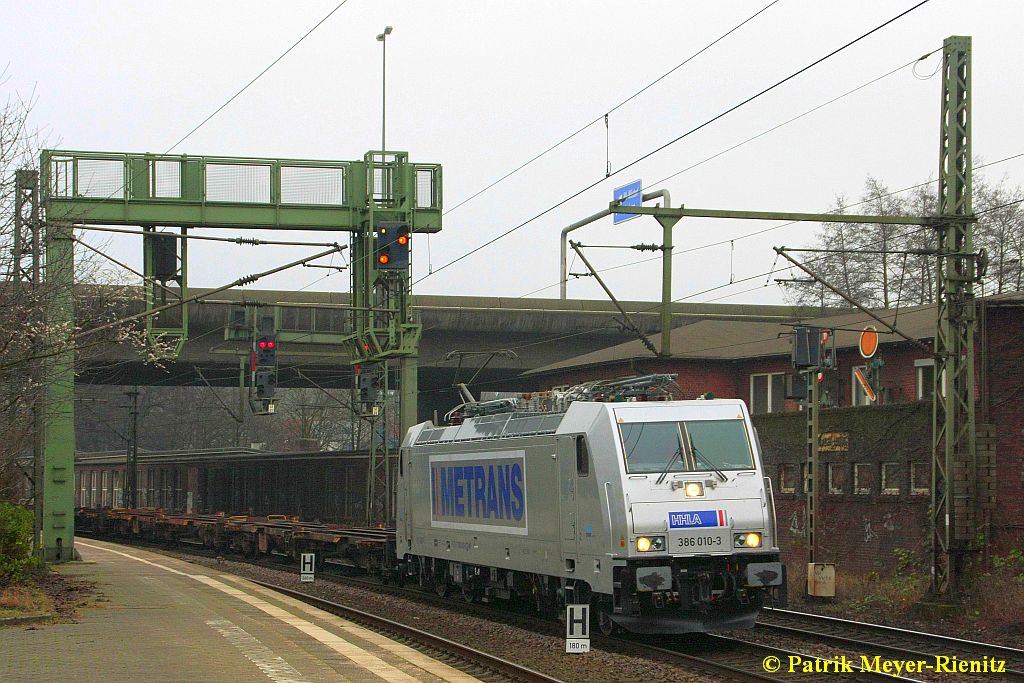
(699, 541)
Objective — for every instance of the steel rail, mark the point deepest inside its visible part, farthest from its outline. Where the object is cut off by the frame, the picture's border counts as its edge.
(814, 626)
(747, 658)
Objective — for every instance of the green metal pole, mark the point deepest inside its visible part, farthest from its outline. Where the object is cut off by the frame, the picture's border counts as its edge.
(59, 399)
(813, 405)
(666, 287)
(954, 444)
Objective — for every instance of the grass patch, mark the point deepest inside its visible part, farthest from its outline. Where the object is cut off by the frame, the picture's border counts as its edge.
(23, 601)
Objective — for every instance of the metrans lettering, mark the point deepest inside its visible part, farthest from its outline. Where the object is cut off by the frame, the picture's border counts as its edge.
(483, 491)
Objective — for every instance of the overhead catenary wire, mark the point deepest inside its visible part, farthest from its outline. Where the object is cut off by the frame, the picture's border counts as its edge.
(607, 112)
(233, 97)
(657, 306)
(678, 138)
(755, 233)
(251, 241)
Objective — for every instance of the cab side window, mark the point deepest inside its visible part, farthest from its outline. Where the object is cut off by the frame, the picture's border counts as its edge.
(582, 457)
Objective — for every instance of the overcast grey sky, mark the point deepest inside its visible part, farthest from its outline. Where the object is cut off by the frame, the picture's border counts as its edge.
(480, 87)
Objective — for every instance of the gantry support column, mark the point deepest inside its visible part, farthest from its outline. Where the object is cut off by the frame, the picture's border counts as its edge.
(26, 267)
(59, 397)
(953, 523)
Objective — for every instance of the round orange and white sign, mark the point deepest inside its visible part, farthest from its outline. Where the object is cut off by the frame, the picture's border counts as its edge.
(868, 342)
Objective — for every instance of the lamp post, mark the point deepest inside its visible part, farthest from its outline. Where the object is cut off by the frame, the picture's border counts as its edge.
(382, 38)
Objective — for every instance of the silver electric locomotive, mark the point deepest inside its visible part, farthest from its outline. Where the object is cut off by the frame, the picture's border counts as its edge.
(658, 513)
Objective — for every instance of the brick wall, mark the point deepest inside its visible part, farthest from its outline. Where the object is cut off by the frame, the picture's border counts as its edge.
(857, 531)
(1005, 400)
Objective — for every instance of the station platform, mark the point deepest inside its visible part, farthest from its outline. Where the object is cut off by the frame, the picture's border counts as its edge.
(161, 619)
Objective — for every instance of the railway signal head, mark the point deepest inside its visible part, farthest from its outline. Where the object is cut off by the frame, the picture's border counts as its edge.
(265, 349)
(266, 383)
(369, 379)
(391, 251)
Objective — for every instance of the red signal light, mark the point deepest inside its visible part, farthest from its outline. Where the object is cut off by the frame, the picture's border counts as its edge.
(383, 259)
(263, 344)
(270, 345)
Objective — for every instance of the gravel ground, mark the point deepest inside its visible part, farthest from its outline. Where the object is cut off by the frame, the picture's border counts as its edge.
(543, 652)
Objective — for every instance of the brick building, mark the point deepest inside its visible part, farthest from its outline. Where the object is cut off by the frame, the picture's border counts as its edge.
(876, 456)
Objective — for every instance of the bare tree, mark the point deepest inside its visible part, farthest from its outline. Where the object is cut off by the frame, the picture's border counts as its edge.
(28, 341)
(892, 274)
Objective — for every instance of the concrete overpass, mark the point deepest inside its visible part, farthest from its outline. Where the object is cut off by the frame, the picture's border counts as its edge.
(539, 331)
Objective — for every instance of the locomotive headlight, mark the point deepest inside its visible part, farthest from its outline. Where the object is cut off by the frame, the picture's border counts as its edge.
(694, 489)
(646, 544)
(751, 539)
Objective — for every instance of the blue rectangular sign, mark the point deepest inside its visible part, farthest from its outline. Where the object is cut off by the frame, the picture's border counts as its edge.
(630, 195)
(696, 519)
(479, 491)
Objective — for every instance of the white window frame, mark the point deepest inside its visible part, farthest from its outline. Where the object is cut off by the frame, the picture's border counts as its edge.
(919, 364)
(769, 375)
(859, 490)
(918, 490)
(884, 485)
(785, 485)
(834, 490)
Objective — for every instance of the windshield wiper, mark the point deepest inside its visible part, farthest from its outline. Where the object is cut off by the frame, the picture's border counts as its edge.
(698, 454)
(671, 460)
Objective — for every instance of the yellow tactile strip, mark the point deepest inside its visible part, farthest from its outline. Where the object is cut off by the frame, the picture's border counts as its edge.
(439, 669)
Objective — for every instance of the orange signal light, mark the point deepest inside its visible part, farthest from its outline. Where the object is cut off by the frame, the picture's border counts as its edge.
(383, 259)
(403, 239)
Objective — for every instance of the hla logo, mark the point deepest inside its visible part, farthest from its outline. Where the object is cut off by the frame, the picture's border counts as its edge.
(701, 518)
(491, 492)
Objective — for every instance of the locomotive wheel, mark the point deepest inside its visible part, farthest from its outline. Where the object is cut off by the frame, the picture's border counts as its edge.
(441, 585)
(605, 623)
(469, 593)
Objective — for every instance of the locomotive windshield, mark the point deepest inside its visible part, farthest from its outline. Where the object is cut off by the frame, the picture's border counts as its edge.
(693, 446)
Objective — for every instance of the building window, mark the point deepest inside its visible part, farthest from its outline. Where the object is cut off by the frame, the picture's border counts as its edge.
(925, 368)
(920, 479)
(768, 393)
(788, 474)
(890, 478)
(859, 397)
(837, 478)
(863, 478)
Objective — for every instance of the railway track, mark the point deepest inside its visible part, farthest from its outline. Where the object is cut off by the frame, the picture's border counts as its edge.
(721, 656)
(887, 640)
(743, 660)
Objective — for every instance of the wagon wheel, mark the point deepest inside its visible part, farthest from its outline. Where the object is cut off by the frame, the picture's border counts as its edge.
(441, 585)
(605, 623)
(540, 604)
(469, 593)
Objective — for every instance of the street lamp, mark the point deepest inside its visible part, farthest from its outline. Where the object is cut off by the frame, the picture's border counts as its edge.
(382, 38)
